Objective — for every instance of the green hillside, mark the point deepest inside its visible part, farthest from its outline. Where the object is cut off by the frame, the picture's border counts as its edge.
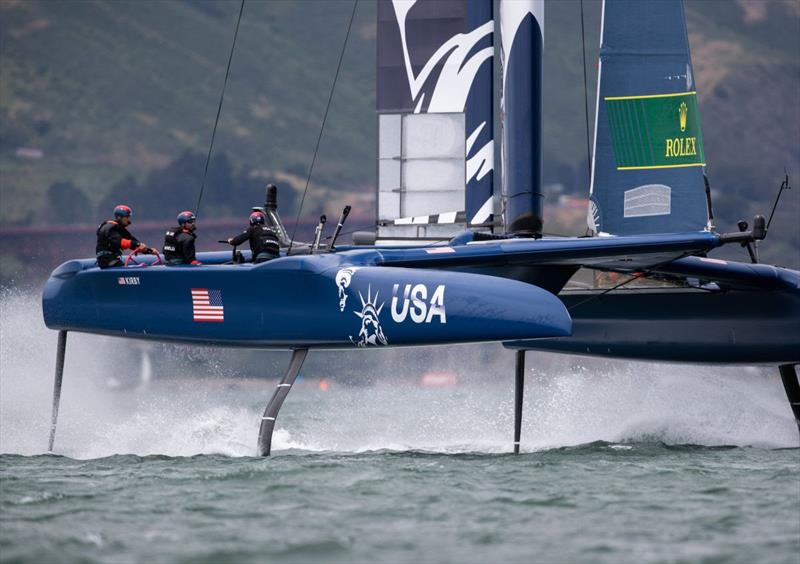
(122, 95)
(110, 89)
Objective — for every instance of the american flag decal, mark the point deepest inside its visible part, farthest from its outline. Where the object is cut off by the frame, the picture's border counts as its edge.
(207, 305)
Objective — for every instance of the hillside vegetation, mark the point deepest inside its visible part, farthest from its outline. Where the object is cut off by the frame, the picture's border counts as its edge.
(116, 95)
(114, 89)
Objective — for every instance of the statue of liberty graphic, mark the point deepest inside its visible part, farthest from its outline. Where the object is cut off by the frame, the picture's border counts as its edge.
(371, 332)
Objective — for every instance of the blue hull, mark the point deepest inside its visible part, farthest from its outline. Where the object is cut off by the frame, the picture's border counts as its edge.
(753, 318)
(319, 301)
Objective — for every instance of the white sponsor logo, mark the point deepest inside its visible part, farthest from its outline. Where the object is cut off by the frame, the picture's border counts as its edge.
(128, 281)
(414, 302)
(343, 278)
(647, 200)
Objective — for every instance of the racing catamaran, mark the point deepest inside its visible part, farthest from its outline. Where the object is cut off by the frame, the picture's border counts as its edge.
(442, 267)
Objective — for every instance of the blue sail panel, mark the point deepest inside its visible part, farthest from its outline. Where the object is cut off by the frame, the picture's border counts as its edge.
(647, 172)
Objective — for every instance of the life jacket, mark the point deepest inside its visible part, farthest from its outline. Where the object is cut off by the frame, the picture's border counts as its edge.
(172, 248)
(104, 246)
(179, 246)
(264, 242)
(170, 241)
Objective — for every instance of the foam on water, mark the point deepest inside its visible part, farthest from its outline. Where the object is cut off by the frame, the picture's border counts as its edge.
(567, 402)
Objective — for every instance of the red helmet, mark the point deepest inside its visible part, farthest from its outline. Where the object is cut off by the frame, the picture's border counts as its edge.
(186, 217)
(122, 211)
(257, 218)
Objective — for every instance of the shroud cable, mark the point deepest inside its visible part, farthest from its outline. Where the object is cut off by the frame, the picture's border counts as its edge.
(322, 127)
(219, 110)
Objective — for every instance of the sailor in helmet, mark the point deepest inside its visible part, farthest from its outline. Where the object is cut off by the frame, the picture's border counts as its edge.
(179, 241)
(263, 239)
(113, 237)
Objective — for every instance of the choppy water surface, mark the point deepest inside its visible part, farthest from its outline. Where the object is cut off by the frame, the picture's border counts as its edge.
(601, 502)
(623, 462)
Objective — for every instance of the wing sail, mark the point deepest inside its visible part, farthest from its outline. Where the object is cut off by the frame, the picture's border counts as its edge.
(647, 174)
(435, 122)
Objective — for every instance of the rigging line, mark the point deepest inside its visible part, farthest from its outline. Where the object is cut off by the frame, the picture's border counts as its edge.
(784, 186)
(322, 127)
(219, 110)
(353, 230)
(585, 95)
(633, 276)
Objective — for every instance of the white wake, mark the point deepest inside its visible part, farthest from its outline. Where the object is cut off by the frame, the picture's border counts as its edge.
(568, 401)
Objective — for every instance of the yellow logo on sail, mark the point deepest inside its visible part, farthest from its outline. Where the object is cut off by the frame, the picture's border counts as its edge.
(682, 111)
(681, 146)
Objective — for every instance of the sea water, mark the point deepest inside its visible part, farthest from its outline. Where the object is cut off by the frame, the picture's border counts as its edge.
(621, 462)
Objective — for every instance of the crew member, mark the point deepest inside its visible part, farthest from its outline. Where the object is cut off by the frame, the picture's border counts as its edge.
(263, 239)
(113, 237)
(179, 241)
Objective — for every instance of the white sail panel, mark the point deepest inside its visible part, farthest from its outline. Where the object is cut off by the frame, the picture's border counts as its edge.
(421, 164)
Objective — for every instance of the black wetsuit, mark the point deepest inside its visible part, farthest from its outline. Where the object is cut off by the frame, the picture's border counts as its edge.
(179, 246)
(112, 239)
(263, 242)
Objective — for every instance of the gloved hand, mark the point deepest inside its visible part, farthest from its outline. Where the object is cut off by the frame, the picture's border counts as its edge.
(230, 240)
(153, 251)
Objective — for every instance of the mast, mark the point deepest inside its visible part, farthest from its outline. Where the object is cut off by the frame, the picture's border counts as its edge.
(522, 41)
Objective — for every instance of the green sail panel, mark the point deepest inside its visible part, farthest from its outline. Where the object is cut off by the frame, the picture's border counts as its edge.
(657, 131)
